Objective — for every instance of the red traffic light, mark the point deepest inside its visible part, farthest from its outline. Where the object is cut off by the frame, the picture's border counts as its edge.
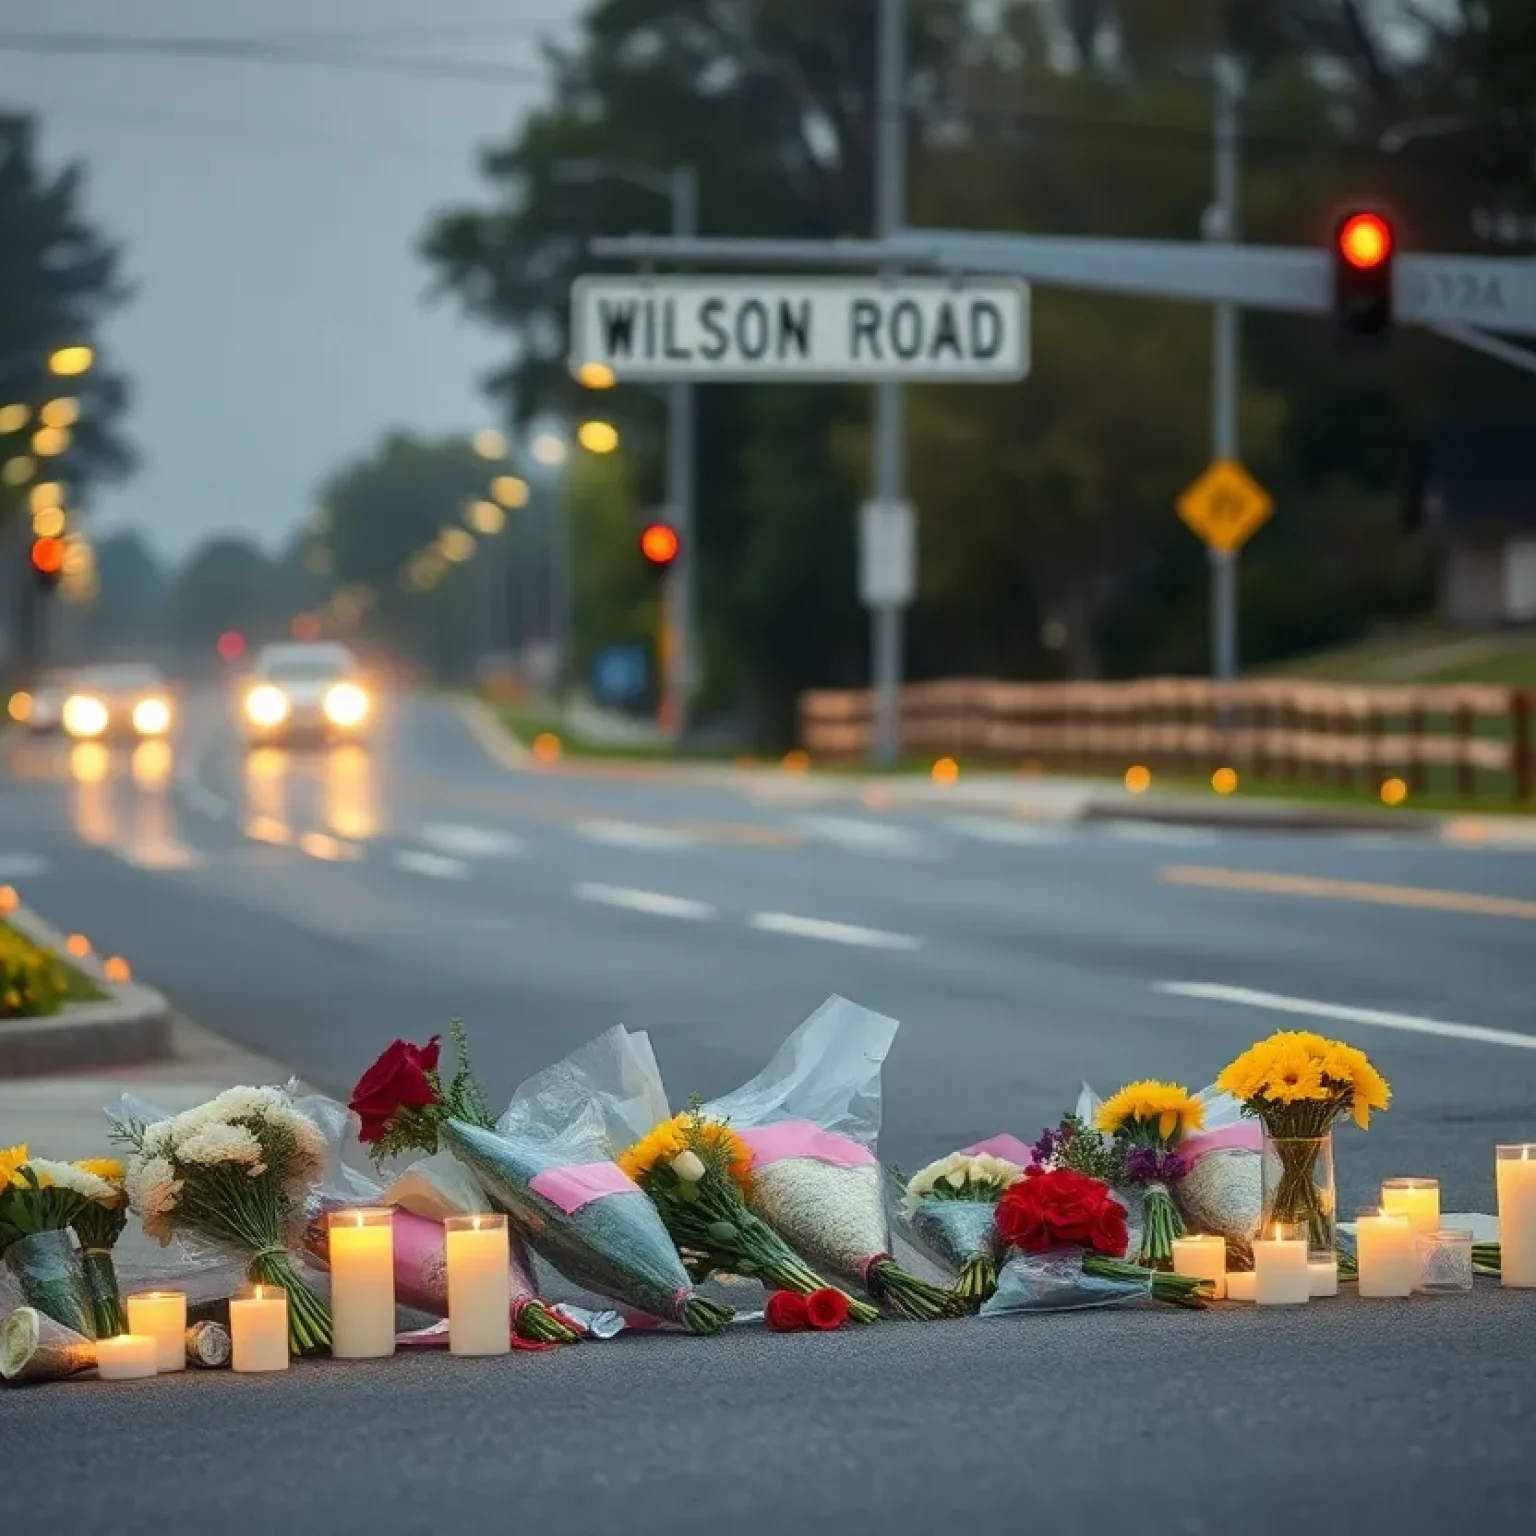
(48, 556)
(231, 645)
(659, 544)
(1365, 240)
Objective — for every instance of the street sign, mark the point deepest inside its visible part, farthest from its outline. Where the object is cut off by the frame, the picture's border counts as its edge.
(887, 554)
(809, 330)
(1226, 506)
(619, 674)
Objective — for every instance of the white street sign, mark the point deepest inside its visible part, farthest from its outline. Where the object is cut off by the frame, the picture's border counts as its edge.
(812, 329)
(887, 554)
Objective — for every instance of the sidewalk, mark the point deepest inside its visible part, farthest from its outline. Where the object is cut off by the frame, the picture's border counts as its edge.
(61, 1116)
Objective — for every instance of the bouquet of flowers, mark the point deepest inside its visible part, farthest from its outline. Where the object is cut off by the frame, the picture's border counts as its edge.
(33, 1347)
(98, 1224)
(239, 1170)
(1149, 1120)
(422, 1196)
(949, 1208)
(547, 1165)
(1222, 1188)
(1297, 1085)
(1069, 1234)
(40, 1200)
(811, 1119)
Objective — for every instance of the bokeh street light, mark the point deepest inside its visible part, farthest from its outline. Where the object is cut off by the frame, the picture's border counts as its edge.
(598, 436)
(13, 418)
(63, 412)
(455, 545)
(548, 449)
(48, 522)
(19, 470)
(46, 493)
(596, 376)
(50, 441)
(490, 444)
(485, 517)
(67, 362)
(510, 491)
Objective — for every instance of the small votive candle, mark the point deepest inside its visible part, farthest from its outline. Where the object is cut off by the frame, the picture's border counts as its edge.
(1280, 1276)
(1240, 1285)
(1323, 1277)
(479, 1285)
(1202, 1257)
(362, 1260)
(258, 1327)
(1516, 1172)
(1387, 1256)
(1417, 1199)
(162, 1315)
(126, 1357)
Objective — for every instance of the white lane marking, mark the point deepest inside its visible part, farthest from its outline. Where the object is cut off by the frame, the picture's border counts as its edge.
(332, 850)
(633, 834)
(1377, 842)
(865, 835)
(21, 866)
(493, 738)
(1408, 1023)
(657, 903)
(833, 933)
(436, 866)
(158, 856)
(993, 829)
(204, 801)
(1153, 832)
(468, 842)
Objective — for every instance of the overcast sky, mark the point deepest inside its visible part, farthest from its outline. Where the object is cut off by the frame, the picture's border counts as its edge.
(269, 214)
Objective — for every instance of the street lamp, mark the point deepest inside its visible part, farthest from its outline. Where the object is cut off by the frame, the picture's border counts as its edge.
(680, 187)
(13, 418)
(598, 436)
(596, 376)
(68, 362)
(490, 444)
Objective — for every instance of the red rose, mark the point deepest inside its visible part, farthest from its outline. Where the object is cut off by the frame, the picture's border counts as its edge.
(826, 1308)
(1109, 1235)
(787, 1312)
(397, 1080)
(1045, 1209)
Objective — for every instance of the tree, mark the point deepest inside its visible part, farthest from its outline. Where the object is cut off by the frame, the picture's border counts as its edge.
(227, 585)
(59, 280)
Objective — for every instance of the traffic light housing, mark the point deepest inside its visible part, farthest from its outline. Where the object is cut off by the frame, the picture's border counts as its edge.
(1364, 244)
(47, 562)
(659, 545)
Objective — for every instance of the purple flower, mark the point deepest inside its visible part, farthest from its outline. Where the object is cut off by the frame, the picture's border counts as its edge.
(1175, 1166)
(1146, 1165)
(1044, 1149)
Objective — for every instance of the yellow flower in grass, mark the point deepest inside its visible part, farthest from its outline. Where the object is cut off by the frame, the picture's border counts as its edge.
(1169, 1105)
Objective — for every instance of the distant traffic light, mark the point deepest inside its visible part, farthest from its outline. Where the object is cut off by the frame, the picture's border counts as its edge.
(47, 562)
(1363, 247)
(659, 544)
(231, 645)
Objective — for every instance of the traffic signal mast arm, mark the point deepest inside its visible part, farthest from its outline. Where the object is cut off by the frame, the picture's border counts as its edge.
(1493, 292)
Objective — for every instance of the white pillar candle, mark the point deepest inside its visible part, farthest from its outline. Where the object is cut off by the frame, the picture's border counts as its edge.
(1280, 1277)
(1202, 1257)
(1240, 1285)
(1516, 1169)
(258, 1329)
(1388, 1258)
(162, 1315)
(1323, 1277)
(1417, 1199)
(362, 1260)
(479, 1285)
(126, 1357)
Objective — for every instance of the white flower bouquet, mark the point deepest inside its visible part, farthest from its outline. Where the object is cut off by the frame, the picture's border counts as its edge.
(237, 1169)
(949, 1210)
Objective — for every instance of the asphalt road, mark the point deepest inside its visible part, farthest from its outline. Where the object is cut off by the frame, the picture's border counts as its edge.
(314, 905)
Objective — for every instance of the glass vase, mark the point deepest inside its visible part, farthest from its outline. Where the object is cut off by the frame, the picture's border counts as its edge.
(47, 1269)
(1298, 1190)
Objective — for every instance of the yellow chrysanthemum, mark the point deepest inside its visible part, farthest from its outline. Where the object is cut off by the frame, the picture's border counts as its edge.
(727, 1145)
(1297, 1066)
(107, 1168)
(11, 1158)
(1296, 1076)
(659, 1145)
(1170, 1105)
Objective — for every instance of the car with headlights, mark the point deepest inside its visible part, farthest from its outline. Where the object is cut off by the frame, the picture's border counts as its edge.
(124, 699)
(309, 691)
(41, 708)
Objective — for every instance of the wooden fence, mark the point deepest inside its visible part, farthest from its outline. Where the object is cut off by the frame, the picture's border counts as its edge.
(1462, 739)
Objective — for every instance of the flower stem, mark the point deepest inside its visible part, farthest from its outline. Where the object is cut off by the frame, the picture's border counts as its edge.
(539, 1325)
(917, 1300)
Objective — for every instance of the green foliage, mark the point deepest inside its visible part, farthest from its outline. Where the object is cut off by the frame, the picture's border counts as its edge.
(33, 982)
(59, 281)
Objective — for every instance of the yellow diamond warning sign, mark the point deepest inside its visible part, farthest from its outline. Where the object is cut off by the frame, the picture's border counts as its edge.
(1226, 506)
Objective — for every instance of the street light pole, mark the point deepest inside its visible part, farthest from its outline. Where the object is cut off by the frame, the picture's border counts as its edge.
(681, 665)
(1224, 363)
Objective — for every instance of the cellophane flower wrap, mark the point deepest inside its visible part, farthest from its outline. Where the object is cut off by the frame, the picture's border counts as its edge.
(39, 1201)
(422, 1196)
(1223, 1185)
(1297, 1085)
(697, 1170)
(1068, 1234)
(548, 1165)
(240, 1170)
(1149, 1120)
(811, 1119)
(948, 1209)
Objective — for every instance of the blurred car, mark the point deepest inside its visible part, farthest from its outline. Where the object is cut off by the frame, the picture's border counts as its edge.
(41, 709)
(125, 699)
(306, 691)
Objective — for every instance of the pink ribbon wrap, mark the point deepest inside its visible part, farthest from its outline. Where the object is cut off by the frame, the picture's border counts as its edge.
(579, 1184)
(800, 1138)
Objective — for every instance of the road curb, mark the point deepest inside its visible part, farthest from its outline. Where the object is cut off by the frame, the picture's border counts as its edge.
(492, 735)
(1276, 816)
(130, 1026)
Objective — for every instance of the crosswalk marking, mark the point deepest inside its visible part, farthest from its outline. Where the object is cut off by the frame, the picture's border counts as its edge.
(634, 834)
(657, 903)
(866, 835)
(834, 933)
(993, 829)
(436, 866)
(21, 866)
(470, 842)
